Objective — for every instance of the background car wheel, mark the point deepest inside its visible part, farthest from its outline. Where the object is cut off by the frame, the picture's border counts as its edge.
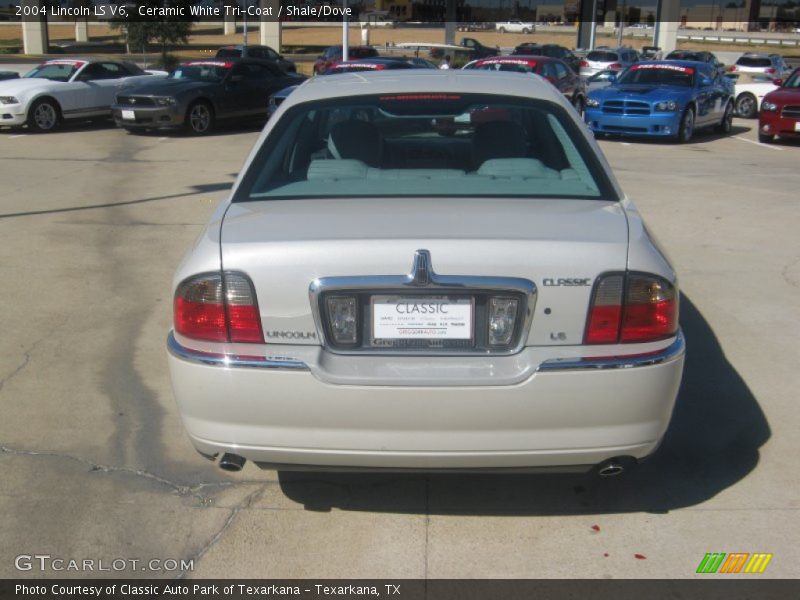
(765, 138)
(726, 124)
(686, 129)
(200, 118)
(526, 31)
(44, 116)
(746, 106)
(502, 30)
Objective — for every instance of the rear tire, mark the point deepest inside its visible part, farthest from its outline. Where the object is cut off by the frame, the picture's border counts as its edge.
(766, 138)
(746, 105)
(726, 125)
(200, 118)
(44, 116)
(526, 31)
(502, 30)
(686, 128)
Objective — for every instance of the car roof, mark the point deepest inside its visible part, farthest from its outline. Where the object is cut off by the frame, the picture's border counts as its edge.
(411, 81)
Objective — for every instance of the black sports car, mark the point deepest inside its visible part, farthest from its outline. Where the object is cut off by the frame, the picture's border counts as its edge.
(200, 93)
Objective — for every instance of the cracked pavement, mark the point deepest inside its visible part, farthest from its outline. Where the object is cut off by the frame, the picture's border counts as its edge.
(95, 464)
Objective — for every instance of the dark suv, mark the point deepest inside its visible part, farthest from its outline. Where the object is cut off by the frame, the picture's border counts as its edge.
(333, 54)
(259, 52)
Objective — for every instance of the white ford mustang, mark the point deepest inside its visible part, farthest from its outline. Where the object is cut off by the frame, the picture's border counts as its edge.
(68, 88)
(426, 270)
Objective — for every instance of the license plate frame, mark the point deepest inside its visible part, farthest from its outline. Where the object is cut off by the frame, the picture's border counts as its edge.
(128, 115)
(411, 325)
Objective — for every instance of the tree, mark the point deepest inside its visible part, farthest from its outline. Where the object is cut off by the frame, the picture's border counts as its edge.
(164, 30)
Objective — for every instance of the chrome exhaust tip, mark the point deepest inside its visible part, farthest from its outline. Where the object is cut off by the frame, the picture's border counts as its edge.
(611, 469)
(232, 462)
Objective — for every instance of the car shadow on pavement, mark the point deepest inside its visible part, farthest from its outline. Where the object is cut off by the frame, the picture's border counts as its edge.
(713, 442)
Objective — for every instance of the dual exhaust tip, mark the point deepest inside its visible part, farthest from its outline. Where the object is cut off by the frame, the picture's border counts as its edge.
(610, 468)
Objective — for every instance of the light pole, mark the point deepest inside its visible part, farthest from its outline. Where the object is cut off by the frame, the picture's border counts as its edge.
(345, 32)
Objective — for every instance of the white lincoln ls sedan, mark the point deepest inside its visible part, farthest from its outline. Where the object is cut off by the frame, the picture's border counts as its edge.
(426, 270)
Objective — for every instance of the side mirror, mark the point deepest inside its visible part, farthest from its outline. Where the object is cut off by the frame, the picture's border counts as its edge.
(778, 82)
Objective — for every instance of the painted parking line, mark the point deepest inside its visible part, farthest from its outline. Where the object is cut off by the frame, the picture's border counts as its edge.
(162, 139)
(19, 135)
(767, 146)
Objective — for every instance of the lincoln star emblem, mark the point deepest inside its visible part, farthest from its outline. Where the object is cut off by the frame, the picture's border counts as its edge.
(421, 270)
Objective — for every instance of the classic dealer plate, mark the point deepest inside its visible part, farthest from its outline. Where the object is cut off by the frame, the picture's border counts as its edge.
(422, 318)
(129, 115)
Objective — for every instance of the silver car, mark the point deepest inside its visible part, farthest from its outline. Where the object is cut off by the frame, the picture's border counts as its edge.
(424, 270)
(771, 65)
(613, 59)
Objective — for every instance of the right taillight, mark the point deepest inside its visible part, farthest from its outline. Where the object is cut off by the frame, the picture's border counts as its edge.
(218, 307)
(632, 307)
(583, 63)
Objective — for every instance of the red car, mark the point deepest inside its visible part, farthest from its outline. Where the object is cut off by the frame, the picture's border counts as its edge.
(333, 55)
(556, 71)
(780, 111)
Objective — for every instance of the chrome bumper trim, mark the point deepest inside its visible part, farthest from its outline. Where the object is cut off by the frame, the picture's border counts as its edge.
(674, 350)
(224, 360)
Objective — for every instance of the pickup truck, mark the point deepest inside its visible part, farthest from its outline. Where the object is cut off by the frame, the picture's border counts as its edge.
(476, 49)
(515, 27)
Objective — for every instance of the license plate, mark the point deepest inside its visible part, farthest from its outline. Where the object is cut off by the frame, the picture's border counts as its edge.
(129, 115)
(422, 318)
(797, 126)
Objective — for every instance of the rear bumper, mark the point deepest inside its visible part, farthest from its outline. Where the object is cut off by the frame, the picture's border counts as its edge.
(654, 125)
(566, 413)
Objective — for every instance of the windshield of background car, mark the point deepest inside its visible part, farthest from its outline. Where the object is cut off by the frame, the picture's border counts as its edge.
(658, 75)
(753, 61)
(61, 71)
(599, 56)
(793, 81)
(211, 72)
(425, 144)
(684, 56)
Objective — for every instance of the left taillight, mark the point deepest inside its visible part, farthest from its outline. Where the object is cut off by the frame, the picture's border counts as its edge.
(218, 307)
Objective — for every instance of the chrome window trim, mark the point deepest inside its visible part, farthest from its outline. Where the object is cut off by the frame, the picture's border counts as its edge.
(674, 350)
(423, 278)
(224, 360)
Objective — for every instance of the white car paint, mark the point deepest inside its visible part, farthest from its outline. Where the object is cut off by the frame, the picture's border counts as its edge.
(298, 401)
(515, 27)
(78, 97)
(755, 89)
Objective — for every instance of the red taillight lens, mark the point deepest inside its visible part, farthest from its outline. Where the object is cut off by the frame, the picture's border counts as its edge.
(210, 308)
(615, 66)
(606, 311)
(583, 63)
(243, 319)
(649, 311)
(771, 71)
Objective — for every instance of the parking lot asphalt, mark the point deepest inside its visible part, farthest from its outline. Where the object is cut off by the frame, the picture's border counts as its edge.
(95, 464)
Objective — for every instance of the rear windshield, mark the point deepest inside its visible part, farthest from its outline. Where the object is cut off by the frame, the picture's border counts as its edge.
(599, 56)
(507, 66)
(425, 144)
(229, 53)
(684, 56)
(750, 61)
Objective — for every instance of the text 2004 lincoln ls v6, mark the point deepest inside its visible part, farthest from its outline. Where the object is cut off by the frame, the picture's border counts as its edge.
(417, 271)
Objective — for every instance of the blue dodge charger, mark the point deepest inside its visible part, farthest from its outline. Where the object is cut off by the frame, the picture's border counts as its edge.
(666, 99)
